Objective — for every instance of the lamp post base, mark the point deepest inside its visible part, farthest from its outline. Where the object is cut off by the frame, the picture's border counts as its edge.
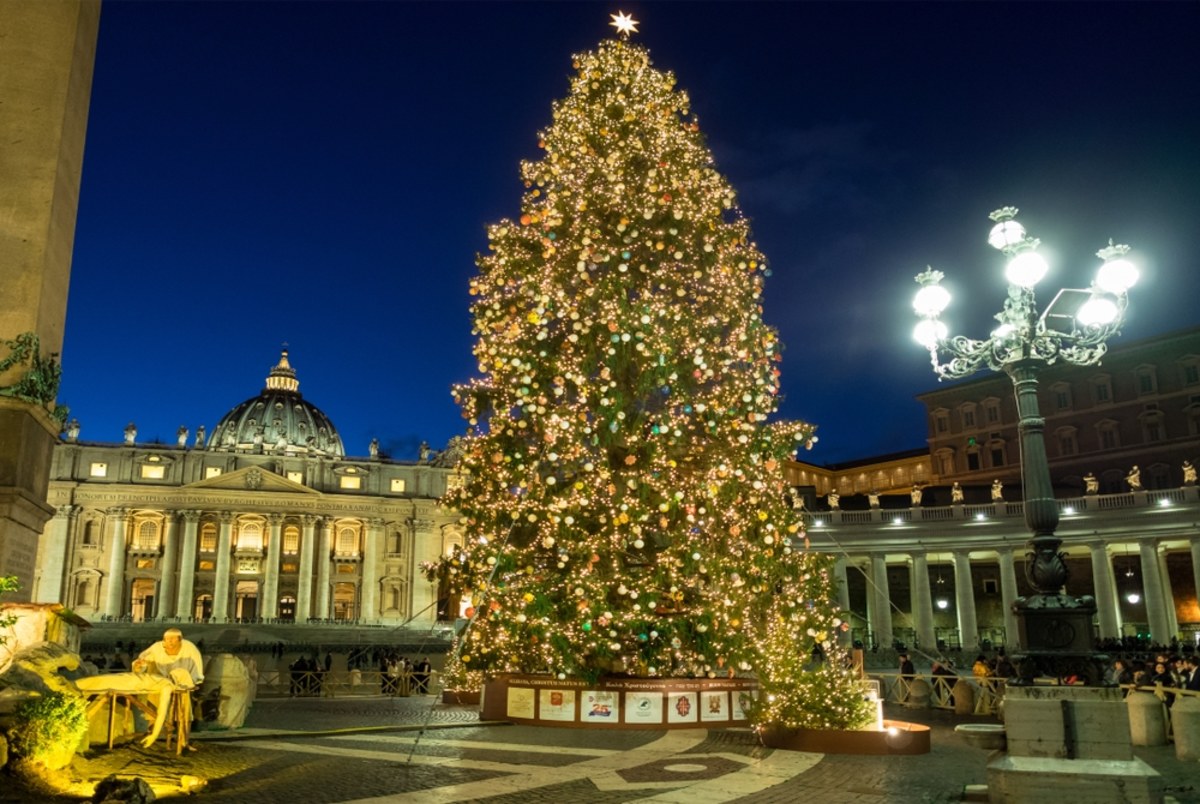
(1055, 634)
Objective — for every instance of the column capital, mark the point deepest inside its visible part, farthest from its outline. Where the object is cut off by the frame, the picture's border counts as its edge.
(191, 516)
(275, 520)
(226, 517)
(421, 524)
(117, 513)
(311, 519)
(66, 511)
(375, 522)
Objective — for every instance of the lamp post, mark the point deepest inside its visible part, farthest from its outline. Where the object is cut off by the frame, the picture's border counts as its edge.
(1054, 628)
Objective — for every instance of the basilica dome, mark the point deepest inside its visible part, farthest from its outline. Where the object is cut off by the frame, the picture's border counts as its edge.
(278, 421)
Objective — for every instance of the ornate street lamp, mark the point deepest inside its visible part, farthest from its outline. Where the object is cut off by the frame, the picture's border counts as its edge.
(1054, 628)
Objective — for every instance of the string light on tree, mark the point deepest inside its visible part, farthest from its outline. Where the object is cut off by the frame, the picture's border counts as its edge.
(626, 509)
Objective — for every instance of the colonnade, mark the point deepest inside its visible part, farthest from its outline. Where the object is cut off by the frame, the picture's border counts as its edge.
(883, 614)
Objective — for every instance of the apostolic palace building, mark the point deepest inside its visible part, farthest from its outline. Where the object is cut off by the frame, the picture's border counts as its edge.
(268, 519)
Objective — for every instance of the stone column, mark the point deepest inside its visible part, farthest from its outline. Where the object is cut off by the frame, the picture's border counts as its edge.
(54, 555)
(1168, 595)
(427, 546)
(1156, 610)
(324, 548)
(843, 599)
(964, 594)
(305, 581)
(166, 584)
(1195, 545)
(922, 602)
(115, 523)
(1105, 587)
(273, 555)
(220, 611)
(184, 604)
(881, 599)
(372, 542)
(46, 65)
(1008, 596)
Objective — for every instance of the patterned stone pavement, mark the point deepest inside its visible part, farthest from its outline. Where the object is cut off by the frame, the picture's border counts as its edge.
(374, 750)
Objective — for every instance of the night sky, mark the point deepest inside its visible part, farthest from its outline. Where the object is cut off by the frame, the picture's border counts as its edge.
(321, 173)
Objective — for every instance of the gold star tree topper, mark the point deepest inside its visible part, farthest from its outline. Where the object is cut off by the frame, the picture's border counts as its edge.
(624, 23)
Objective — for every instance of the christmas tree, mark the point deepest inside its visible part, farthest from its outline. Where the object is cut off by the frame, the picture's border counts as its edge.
(626, 510)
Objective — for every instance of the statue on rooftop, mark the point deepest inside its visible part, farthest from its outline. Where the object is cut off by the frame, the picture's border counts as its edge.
(916, 494)
(130, 433)
(181, 436)
(1090, 484)
(956, 493)
(997, 491)
(834, 500)
(1134, 478)
(1189, 474)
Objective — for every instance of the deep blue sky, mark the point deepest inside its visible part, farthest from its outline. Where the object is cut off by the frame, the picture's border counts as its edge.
(321, 173)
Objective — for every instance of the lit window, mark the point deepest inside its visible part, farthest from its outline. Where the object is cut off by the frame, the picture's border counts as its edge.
(296, 477)
(99, 470)
(212, 471)
(148, 536)
(154, 471)
(207, 566)
(398, 484)
(291, 540)
(208, 538)
(347, 541)
(350, 482)
(145, 563)
(250, 536)
(291, 569)
(347, 569)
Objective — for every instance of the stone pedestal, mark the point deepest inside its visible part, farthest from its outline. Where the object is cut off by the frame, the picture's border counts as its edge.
(1069, 744)
(27, 435)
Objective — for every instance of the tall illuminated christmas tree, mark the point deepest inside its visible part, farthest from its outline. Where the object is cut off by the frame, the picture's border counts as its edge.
(626, 509)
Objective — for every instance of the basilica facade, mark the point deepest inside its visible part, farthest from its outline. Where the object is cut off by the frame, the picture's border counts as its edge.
(265, 519)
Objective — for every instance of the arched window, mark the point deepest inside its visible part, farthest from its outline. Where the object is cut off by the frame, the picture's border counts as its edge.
(83, 593)
(347, 541)
(208, 538)
(250, 536)
(91, 533)
(147, 538)
(291, 540)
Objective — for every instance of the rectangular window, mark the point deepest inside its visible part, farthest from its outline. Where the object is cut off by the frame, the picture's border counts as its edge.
(212, 471)
(1108, 439)
(296, 477)
(291, 569)
(350, 482)
(1102, 393)
(1062, 400)
(1066, 444)
(98, 470)
(1145, 384)
(990, 587)
(398, 484)
(346, 569)
(972, 461)
(947, 464)
(1191, 374)
(208, 566)
(145, 563)
(997, 457)
(968, 418)
(153, 471)
(942, 424)
(1153, 431)
(993, 414)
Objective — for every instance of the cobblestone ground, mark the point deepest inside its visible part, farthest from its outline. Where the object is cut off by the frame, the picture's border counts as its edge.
(322, 751)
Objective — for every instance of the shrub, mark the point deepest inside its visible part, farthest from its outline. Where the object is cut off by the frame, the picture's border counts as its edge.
(48, 728)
